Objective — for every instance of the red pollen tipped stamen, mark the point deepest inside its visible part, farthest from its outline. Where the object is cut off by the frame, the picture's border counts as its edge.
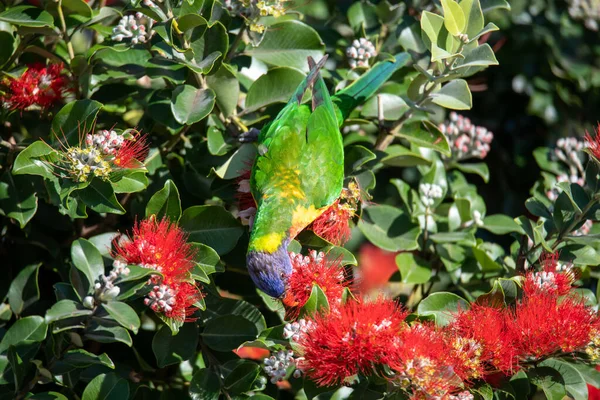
(132, 153)
(39, 85)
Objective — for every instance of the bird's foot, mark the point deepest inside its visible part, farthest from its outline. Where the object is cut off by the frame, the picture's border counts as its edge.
(249, 137)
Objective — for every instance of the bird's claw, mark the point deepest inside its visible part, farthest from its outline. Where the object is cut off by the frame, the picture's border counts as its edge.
(249, 137)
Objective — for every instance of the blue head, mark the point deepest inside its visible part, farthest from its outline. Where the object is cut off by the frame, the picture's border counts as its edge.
(270, 271)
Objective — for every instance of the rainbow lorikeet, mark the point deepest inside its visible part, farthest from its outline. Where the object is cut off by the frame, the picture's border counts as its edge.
(299, 170)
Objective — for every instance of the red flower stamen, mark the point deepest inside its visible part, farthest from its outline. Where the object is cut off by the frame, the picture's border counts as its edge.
(132, 153)
(593, 143)
(39, 85)
(354, 338)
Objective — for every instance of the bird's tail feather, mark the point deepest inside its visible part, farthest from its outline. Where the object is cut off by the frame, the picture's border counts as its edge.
(310, 78)
(364, 87)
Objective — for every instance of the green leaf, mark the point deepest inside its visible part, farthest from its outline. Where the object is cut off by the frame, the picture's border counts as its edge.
(213, 226)
(480, 169)
(537, 208)
(413, 269)
(425, 134)
(74, 359)
(288, 44)
(549, 381)
(123, 314)
(205, 385)
(455, 95)
(227, 89)
(393, 107)
(206, 259)
(24, 331)
(64, 309)
(75, 118)
(108, 331)
(316, 303)
(501, 224)
(190, 105)
(217, 146)
(106, 387)
(18, 198)
(362, 15)
(441, 305)
(17, 365)
(474, 17)
(489, 5)
(339, 254)
(276, 86)
(237, 163)
(100, 197)
(31, 17)
(24, 290)
(87, 259)
(454, 17)
(34, 160)
(400, 156)
(573, 380)
(227, 332)
(242, 378)
(165, 203)
(173, 349)
(465, 238)
(431, 25)
(79, 7)
(486, 262)
(480, 56)
(389, 228)
(131, 181)
(47, 396)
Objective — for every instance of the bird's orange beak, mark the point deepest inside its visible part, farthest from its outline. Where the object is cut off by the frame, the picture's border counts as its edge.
(289, 301)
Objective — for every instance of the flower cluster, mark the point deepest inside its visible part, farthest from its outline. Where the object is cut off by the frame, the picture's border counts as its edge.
(276, 366)
(162, 246)
(245, 201)
(427, 361)
(429, 193)
(131, 28)
(466, 139)
(314, 269)
(593, 144)
(334, 224)
(586, 10)
(102, 154)
(252, 10)
(360, 52)
(569, 151)
(105, 288)
(40, 86)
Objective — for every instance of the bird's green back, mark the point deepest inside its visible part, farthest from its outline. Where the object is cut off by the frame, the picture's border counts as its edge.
(299, 170)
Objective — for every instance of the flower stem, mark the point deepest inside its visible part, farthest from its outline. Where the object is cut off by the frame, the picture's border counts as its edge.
(65, 35)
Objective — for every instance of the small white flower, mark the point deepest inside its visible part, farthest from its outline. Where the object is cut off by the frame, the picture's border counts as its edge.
(132, 27)
(277, 365)
(466, 140)
(360, 52)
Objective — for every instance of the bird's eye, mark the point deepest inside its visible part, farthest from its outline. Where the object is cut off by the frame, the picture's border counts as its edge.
(282, 275)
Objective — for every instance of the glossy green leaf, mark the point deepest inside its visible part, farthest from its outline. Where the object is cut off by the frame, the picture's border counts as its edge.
(413, 269)
(64, 309)
(389, 228)
(35, 159)
(217, 145)
(227, 89)
(480, 169)
(165, 203)
(205, 385)
(106, 387)
(24, 331)
(276, 86)
(425, 134)
(316, 303)
(454, 17)
(123, 314)
(27, 16)
(242, 378)
(190, 105)
(88, 260)
(480, 56)
(454, 95)
(173, 349)
(227, 332)
(100, 197)
(393, 107)
(441, 305)
(75, 118)
(212, 226)
(288, 44)
(24, 290)
(501, 224)
(18, 199)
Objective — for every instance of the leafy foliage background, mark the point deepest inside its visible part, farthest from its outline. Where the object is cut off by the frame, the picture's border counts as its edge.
(194, 87)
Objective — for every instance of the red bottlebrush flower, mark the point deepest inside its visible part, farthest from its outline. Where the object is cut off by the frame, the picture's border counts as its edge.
(314, 269)
(593, 143)
(334, 224)
(423, 363)
(39, 85)
(132, 152)
(544, 324)
(487, 326)
(158, 245)
(175, 301)
(356, 337)
(376, 267)
(554, 277)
